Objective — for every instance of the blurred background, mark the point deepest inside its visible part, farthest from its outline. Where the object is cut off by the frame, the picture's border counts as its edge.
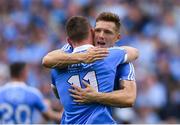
(29, 29)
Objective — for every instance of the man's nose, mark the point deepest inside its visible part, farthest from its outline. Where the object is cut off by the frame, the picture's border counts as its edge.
(101, 34)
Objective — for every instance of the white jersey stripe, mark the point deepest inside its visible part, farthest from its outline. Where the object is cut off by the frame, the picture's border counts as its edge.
(130, 72)
(133, 77)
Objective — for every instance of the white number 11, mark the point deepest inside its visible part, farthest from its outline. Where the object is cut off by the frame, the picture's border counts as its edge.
(90, 76)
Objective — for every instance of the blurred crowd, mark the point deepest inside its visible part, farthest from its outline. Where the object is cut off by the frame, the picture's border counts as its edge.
(29, 29)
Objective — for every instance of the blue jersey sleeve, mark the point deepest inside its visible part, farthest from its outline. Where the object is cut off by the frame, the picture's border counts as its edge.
(116, 56)
(67, 48)
(126, 72)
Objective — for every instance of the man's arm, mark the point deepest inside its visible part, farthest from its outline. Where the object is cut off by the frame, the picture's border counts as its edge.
(60, 59)
(50, 114)
(119, 98)
(124, 97)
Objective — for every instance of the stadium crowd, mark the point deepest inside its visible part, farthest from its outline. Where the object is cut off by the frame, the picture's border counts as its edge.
(29, 29)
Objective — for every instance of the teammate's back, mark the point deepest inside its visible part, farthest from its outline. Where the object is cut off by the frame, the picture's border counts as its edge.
(100, 75)
(18, 102)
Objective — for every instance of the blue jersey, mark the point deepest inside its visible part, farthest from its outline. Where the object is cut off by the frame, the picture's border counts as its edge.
(124, 72)
(18, 102)
(100, 75)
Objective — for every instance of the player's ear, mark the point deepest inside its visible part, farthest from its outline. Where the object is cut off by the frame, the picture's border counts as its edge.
(119, 36)
(92, 32)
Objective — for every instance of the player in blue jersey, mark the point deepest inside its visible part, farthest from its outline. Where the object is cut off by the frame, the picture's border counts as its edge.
(18, 101)
(106, 34)
(100, 75)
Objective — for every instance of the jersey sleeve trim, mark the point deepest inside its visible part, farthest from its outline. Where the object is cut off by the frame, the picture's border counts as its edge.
(125, 58)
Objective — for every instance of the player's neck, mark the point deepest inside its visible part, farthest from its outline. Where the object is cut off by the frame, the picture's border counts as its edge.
(84, 42)
(20, 80)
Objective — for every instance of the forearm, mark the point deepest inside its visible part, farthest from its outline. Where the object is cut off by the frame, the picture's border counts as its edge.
(56, 116)
(119, 98)
(116, 98)
(132, 53)
(61, 59)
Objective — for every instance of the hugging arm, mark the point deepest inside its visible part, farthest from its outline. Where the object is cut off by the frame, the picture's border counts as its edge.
(124, 97)
(60, 59)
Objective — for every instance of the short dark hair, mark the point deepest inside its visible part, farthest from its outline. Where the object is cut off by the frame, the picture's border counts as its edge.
(16, 69)
(110, 17)
(77, 28)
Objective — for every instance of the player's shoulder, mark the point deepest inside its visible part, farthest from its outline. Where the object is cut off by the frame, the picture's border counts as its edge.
(33, 90)
(117, 55)
(3, 88)
(116, 50)
(7, 87)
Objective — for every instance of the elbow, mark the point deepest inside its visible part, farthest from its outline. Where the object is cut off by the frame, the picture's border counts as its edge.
(45, 62)
(130, 102)
(131, 98)
(129, 93)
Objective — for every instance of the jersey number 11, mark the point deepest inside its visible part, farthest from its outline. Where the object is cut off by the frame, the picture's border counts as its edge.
(90, 76)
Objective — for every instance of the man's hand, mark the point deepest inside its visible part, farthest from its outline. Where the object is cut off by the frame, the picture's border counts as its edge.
(86, 95)
(94, 54)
